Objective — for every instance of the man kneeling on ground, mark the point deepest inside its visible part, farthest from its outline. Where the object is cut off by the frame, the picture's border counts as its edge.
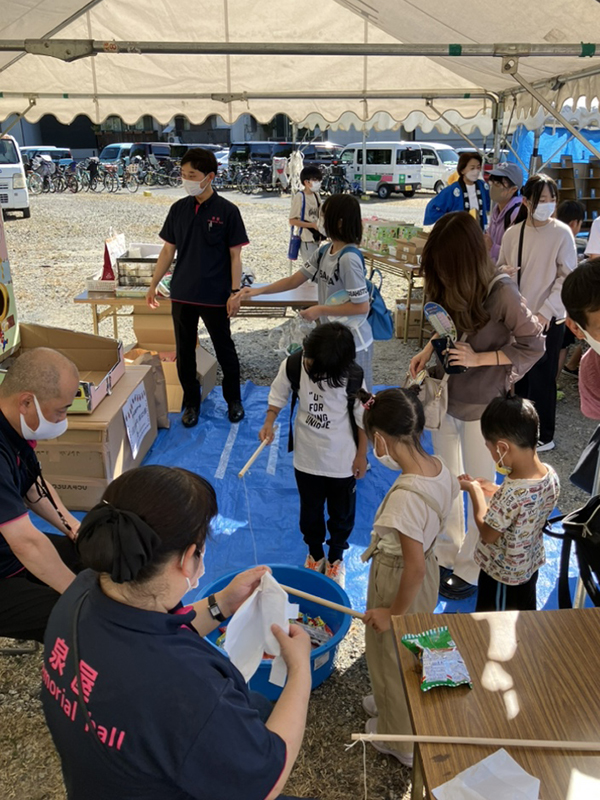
(35, 568)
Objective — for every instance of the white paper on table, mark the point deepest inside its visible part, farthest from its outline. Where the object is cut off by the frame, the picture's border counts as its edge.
(497, 777)
(249, 631)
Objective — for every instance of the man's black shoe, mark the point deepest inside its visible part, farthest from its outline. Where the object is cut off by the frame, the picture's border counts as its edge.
(236, 412)
(189, 418)
(454, 588)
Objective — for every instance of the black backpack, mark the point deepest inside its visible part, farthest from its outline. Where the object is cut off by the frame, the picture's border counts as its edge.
(293, 367)
(582, 527)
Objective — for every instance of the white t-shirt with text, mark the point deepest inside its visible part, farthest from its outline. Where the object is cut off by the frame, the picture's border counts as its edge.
(323, 440)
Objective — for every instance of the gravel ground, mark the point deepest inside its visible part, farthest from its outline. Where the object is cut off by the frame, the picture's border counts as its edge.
(51, 255)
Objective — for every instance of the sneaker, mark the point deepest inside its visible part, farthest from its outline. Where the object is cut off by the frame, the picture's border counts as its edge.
(316, 566)
(403, 758)
(573, 372)
(542, 447)
(337, 572)
(369, 705)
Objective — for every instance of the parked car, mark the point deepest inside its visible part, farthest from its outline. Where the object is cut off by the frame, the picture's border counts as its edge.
(263, 152)
(113, 153)
(178, 150)
(13, 184)
(400, 167)
(60, 155)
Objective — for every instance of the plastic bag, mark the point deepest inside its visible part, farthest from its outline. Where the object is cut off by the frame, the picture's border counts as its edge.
(442, 664)
(287, 338)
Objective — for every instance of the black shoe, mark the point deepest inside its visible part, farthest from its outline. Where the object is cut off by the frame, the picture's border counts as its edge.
(454, 588)
(236, 412)
(189, 418)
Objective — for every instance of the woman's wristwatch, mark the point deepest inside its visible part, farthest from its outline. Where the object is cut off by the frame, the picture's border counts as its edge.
(215, 610)
(235, 291)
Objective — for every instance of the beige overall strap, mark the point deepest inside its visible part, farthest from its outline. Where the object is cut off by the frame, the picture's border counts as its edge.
(429, 501)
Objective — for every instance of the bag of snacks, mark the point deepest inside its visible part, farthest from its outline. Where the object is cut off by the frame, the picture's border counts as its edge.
(441, 662)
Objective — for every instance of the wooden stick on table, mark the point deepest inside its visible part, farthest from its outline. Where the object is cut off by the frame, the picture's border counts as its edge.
(322, 602)
(252, 458)
(472, 740)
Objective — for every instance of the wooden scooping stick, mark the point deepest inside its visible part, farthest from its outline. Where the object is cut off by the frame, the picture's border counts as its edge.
(252, 458)
(547, 744)
(322, 602)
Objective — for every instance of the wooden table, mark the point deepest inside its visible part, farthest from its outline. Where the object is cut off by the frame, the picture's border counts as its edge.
(410, 273)
(107, 305)
(535, 676)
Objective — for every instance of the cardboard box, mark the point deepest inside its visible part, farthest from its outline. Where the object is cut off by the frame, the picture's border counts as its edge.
(99, 360)
(413, 246)
(414, 319)
(156, 334)
(98, 448)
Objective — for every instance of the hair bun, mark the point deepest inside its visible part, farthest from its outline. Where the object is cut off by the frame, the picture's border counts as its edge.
(130, 541)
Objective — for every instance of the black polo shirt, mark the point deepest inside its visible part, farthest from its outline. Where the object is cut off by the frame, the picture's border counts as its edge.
(18, 470)
(203, 234)
(173, 711)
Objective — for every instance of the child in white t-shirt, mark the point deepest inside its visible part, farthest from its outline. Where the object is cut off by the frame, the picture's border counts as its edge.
(511, 548)
(305, 211)
(404, 576)
(330, 446)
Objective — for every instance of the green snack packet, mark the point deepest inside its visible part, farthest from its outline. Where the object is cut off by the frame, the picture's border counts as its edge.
(441, 662)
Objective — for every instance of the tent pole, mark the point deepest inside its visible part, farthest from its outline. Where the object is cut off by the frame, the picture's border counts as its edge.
(534, 161)
(510, 66)
(516, 155)
(497, 122)
(455, 129)
(364, 149)
(555, 153)
(19, 115)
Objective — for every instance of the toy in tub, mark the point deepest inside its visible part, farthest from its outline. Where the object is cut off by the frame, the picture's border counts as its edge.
(322, 656)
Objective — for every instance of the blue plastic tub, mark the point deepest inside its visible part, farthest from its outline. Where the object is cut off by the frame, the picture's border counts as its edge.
(322, 658)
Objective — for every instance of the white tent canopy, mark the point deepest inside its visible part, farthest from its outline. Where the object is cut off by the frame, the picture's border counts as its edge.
(318, 88)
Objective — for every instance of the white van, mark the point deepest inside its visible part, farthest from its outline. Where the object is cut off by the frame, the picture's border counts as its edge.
(401, 167)
(13, 184)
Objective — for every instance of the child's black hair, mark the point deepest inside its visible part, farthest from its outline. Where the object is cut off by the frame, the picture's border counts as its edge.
(396, 412)
(513, 419)
(201, 160)
(311, 173)
(581, 291)
(570, 211)
(330, 349)
(341, 218)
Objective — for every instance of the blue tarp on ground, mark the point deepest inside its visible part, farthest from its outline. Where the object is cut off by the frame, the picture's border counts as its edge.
(261, 511)
(258, 516)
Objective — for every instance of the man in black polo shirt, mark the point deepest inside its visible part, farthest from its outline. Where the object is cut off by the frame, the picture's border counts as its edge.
(208, 233)
(35, 568)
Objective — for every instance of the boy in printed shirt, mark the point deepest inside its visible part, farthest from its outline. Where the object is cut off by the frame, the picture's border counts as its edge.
(511, 548)
(327, 458)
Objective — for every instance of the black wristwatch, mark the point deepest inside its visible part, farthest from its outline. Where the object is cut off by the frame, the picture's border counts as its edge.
(214, 609)
(235, 291)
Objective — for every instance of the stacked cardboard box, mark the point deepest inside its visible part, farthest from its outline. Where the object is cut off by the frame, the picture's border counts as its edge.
(414, 318)
(99, 447)
(99, 360)
(381, 236)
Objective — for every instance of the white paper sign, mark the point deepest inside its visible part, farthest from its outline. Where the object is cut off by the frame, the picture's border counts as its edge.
(137, 418)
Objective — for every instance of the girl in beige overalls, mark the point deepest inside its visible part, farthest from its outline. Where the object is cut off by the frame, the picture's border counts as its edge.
(404, 576)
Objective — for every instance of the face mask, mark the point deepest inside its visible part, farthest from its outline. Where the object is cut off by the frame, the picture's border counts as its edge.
(472, 175)
(45, 429)
(500, 468)
(315, 186)
(544, 211)
(593, 343)
(194, 188)
(386, 458)
(200, 574)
